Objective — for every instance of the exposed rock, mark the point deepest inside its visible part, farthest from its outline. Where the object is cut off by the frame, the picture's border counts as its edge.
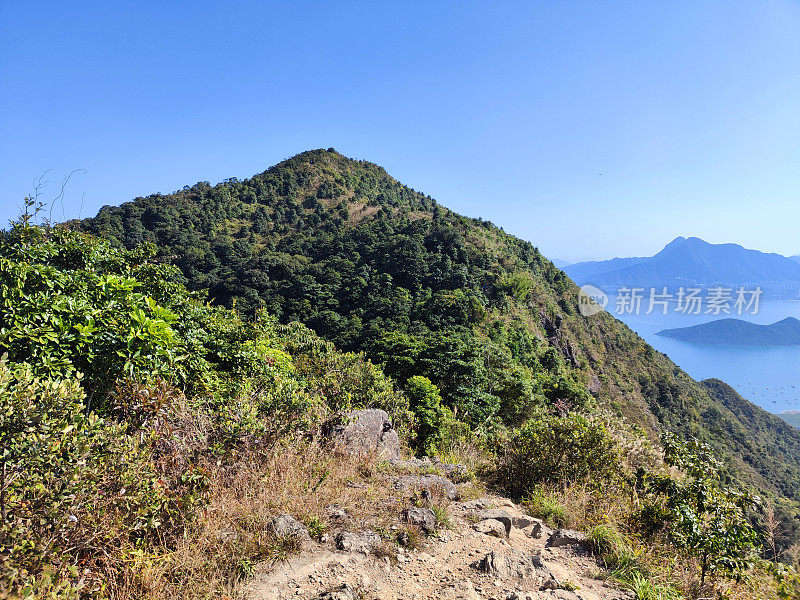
(491, 527)
(566, 537)
(515, 564)
(365, 432)
(498, 515)
(550, 583)
(429, 482)
(337, 513)
(363, 542)
(523, 521)
(345, 592)
(566, 595)
(479, 504)
(424, 518)
(286, 526)
(460, 590)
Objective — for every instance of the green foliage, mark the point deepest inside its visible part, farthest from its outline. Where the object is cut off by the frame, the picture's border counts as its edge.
(375, 266)
(101, 454)
(543, 505)
(644, 589)
(559, 450)
(70, 305)
(72, 485)
(517, 284)
(704, 513)
(426, 404)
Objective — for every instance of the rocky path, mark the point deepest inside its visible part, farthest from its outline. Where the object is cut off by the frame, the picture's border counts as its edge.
(490, 549)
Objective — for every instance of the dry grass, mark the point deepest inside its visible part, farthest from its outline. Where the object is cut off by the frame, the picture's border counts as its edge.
(233, 536)
(584, 508)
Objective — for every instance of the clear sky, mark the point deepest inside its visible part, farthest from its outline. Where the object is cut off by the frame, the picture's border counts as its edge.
(593, 128)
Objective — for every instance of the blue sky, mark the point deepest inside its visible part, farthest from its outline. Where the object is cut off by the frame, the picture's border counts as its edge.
(593, 129)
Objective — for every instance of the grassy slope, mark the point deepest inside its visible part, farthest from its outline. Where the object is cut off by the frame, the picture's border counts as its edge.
(224, 237)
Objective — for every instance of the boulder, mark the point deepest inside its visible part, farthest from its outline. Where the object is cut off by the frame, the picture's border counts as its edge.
(491, 527)
(498, 515)
(460, 590)
(479, 504)
(515, 564)
(523, 521)
(367, 431)
(345, 592)
(286, 526)
(363, 542)
(566, 537)
(424, 518)
(427, 482)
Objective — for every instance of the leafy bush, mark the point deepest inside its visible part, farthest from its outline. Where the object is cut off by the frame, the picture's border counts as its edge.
(103, 457)
(74, 488)
(560, 450)
(703, 513)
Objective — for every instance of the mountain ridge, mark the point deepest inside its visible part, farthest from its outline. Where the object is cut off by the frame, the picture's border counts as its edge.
(693, 261)
(376, 266)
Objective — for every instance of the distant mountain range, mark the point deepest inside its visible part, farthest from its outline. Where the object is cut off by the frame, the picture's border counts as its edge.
(792, 417)
(741, 333)
(694, 262)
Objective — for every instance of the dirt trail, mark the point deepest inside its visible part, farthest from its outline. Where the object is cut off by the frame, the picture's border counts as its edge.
(455, 563)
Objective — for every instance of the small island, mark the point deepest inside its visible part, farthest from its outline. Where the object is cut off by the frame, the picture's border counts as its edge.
(739, 333)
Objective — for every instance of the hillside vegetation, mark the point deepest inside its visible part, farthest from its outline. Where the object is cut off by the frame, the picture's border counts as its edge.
(375, 266)
(155, 445)
(152, 446)
(130, 413)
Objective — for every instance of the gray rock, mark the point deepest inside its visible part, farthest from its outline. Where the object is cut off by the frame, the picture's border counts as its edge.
(286, 526)
(515, 564)
(523, 521)
(498, 515)
(429, 482)
(566, 537)
(363, 542)
(491, 527)
(367, 431)
(460, 590)
(337, 513)
(479, 504)
(345, 592)
(424, 518)
(550, 583)
(566, 595)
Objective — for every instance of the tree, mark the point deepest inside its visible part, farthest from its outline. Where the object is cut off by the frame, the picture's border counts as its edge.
(706, 516)
(426, 404)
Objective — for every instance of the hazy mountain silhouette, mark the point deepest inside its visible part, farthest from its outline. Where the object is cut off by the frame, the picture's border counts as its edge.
(741, 333)
(692, 261)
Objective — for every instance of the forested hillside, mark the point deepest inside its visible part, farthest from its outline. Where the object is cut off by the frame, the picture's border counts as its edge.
(375, 266)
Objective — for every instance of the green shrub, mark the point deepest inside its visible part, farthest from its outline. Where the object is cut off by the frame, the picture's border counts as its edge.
(546, 506)
(701, 511)
(559, 450)
(426, 404)
(102, 456)
(75, 488)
